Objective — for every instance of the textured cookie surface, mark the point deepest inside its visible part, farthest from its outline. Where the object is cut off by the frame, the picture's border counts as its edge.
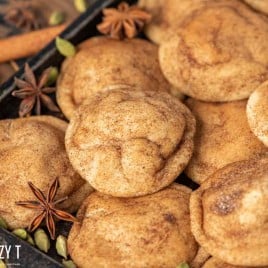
(149, 231)
(229, 215)
(216, 263)
(167, 15)
(32, 149)
(211, 61)
(222, 137)
(257, 112)
(130, 143)
(103, 64)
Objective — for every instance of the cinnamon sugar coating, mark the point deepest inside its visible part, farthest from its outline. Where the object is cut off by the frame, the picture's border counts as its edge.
(130, 143)
(257, 112)
(222, 137)
(32, 149)
(219, 53)
(103, 64)
(229, 215)
(148, 231)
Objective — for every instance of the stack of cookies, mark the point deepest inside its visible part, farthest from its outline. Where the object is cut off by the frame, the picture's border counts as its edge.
(192, 100)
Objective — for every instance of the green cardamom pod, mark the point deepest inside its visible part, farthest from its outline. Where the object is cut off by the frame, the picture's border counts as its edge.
(21, 233)
(2, 264)
(3, 223)
(80, 5)
(30, 240)
(56, 18)
(61, 246)
(41, 240)
(183, 265)
(68, 264)
(53, 76)
(65, 47)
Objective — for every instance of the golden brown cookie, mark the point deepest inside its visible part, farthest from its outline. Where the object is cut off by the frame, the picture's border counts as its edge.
(201, 257)
(32, 149)
(149, 231)
(229, 215)
(216, 263)
(222, 137)
(102, 64)
(257, 112)
(260, 5)
(211, 60)
(130, 143)
(167, 15)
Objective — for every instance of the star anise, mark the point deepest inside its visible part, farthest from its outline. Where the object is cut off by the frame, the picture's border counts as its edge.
(34, 93)
(24, 17)
(125, 21)
(46, 207)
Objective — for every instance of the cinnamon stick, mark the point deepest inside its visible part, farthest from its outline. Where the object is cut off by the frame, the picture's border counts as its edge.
(27, 44)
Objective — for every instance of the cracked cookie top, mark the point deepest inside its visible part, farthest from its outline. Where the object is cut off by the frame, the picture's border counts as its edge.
(219, 53)
(148, 231)
(223, 136)
(229, 216)
(102, 64)
(130, 143)
(32, 149)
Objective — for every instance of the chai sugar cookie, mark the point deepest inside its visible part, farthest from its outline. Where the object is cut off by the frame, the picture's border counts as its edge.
(103, 64)
(222, 137)
(229, 215)
(130, 143)
(257, 112)
(167, 15)
(32, 149)
(148, 231)
(210, 60)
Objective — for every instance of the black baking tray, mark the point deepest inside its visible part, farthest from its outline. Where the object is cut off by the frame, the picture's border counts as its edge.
(82, 28)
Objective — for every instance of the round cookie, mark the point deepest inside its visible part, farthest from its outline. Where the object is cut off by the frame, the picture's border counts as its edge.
(260, 5)
(167, 15)
(32, 149)
(104, 63)
(229, 215)
(222, 137)
(257, 112)
(130, 143)
(216, 263)
(148, 231)
(209, 60)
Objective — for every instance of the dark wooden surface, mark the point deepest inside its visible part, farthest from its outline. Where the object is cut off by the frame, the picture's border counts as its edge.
(45, 7)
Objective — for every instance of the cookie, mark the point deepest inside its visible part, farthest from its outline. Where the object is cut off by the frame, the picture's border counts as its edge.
(130, 143)
(209, 60)
(167, 15)
(257, 112)
(149, 231)
(32, 149)
(102, 64)
(222, 137)
(229, 215)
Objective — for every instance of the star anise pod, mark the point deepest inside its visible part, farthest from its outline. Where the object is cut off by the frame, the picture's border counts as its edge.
(125, 21)
(24, 17)
(46, 207)
(34, 93)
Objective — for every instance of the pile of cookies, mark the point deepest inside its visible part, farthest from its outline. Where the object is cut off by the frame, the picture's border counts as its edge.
(191, 100)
